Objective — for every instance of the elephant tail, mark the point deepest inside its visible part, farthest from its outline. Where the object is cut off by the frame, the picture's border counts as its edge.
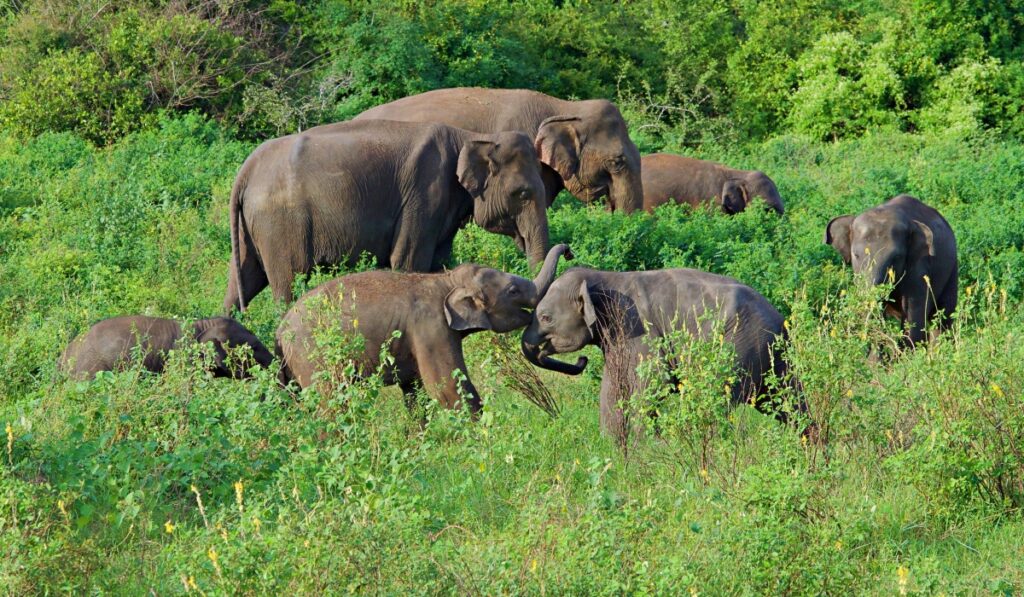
(236, 225)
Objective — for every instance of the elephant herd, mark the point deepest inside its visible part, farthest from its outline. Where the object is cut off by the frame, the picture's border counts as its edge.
(398, 181)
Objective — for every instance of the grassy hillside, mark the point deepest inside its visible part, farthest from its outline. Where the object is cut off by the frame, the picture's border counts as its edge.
(182, 483)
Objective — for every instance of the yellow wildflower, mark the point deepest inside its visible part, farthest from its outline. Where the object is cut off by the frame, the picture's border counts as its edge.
(903, 576)
(238, 495)
(997, 390)
(168, 527)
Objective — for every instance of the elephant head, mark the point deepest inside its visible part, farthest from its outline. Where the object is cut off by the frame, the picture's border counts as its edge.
(488, 299)
(227, 334)
(593, 154)
(878, 241)
(500, 173)
(564, 321)
(738, 193)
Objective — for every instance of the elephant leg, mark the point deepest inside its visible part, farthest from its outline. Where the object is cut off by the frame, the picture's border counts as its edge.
(619, 382)
(916, 303)
(945, 303)
(441, 255)
(436, 362)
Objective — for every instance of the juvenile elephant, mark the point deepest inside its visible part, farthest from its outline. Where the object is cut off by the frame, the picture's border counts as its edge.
(397, 190)
(111, 344)
(915, 243)
(433, 312)
(621, 312)
(688, 180)
(584, 145)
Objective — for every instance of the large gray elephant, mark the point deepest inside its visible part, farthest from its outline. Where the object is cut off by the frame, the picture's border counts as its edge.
(621, 312)
(397, 190)
(584, 145)
(112, 344)
(696, 182)
(433, 313)
(914, 242)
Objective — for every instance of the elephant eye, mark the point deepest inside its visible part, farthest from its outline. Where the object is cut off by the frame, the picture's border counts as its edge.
(545, 318)
(513, 290)
(617, 163)
(522, 194)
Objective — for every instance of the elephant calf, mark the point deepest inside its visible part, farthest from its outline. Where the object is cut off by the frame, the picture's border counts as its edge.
(433, 312)
(111, 344)
(622, 311)
(696, 182)
(915, 243)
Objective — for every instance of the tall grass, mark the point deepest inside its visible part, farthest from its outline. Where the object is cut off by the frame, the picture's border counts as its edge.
(183, 483)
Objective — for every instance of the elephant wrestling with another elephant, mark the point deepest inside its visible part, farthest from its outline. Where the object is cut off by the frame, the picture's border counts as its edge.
(112, 345)
(621, 312)
(432, 312)
(907, 243)
(397, 190)
(697, 182)
(584, 145)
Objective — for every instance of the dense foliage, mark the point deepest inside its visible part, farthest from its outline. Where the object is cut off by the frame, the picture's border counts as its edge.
(116, 161)
(707, 70)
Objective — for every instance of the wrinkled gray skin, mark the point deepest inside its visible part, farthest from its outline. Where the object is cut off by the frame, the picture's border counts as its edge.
(433, 312)
(397, 190)
(111, 344)
(696, 182)
(611, 309)
(913, 240)
(584, 145)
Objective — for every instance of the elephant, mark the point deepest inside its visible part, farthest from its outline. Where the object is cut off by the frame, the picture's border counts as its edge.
(432, 312)
(583, 145)
(696, 182)
(396, 190)
(915, 243)
(112, 344)
(622, 312)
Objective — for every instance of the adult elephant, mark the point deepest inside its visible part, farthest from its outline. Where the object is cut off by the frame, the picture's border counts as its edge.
(669, 177)
(621, 312)
(396, 190)
(112, 345)
(584, 145)
(910, 244)
(432, 312)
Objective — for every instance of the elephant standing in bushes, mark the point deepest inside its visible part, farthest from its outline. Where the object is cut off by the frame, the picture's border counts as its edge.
(111, 344)
(433, 312)
(907, 243)
(584, 145)
(397, 190)
(621, 312)
(696, 182)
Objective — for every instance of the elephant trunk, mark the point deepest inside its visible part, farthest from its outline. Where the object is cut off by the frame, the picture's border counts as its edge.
(546, 275)
(532, 352)
(626, 191)
(533, 228)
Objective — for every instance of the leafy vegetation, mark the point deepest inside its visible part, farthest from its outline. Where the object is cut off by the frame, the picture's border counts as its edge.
(113, 200)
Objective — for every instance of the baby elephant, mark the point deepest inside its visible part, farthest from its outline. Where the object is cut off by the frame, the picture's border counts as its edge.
(621, 312)
(111, 344)
(688, 180)
(915, 243)
(433, 312)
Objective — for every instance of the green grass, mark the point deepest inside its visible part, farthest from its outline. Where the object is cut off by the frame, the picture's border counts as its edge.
(917, 490)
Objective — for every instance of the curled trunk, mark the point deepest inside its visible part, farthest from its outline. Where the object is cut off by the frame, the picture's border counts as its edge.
(546, 275)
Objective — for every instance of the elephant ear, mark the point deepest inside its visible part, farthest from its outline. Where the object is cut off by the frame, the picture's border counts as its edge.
(558, 145)
(587, 305)
(466, 311)
(734, 197)
(923, 239)
(837, 234)
(475, 166)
